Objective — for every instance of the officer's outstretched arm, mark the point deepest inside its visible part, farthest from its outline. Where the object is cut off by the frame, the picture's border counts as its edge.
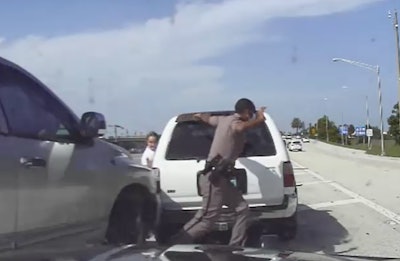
(241, 126)
(207, 118)
(245, 125)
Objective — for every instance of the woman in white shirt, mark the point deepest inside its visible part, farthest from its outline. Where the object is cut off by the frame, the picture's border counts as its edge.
(148, 154)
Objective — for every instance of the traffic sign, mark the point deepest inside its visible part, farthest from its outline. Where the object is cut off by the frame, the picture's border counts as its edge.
(360, 131)
(370, 132)
(343, 130)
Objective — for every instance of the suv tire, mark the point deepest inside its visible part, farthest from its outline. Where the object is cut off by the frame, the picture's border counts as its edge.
(287, 228)
(254, 236)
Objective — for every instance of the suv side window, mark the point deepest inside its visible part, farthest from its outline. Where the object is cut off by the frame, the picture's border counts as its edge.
(30, 110)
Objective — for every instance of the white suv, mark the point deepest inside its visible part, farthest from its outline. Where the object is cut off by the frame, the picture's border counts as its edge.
(269, 186)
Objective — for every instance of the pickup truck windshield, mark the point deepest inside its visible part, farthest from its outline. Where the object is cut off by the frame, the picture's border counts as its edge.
(192, 140)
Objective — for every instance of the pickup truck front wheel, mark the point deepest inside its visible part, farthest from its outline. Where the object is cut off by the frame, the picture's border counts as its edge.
(130, 218)
(165, 232)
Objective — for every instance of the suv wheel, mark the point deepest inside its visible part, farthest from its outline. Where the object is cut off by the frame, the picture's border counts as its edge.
(254, 236)
(287, 229)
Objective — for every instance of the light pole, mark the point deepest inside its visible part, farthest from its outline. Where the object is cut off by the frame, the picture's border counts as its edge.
(396, 32)
(375, 69)
(115, 126)
(367, 110)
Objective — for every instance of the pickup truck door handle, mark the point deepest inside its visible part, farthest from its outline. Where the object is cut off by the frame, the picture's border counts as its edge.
(33, 162)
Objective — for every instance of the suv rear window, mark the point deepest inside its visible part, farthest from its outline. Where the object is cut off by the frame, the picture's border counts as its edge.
(192, 140)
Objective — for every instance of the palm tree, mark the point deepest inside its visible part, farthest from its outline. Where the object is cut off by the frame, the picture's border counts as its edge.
(296, 124)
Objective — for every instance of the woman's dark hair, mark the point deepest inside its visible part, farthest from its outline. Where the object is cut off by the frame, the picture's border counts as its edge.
(152, 134)
(244, 104)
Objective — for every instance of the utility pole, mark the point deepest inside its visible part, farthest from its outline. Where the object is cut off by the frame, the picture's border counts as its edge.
(378, 70)
(396, 31)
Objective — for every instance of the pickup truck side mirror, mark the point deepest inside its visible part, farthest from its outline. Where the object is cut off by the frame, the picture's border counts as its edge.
(92, 124)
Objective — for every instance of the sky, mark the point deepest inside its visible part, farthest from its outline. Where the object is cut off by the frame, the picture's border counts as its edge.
(142, 62)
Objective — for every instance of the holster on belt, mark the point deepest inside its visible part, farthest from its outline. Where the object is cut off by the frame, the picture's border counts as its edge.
(210, 165)
(218, 167)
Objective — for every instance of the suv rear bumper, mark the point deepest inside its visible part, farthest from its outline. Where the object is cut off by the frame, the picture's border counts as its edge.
(287, 209)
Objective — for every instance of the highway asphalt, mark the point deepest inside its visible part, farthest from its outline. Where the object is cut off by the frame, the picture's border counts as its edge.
(350, 201)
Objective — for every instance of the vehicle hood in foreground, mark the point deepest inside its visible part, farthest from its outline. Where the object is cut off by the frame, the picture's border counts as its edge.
(217, 253)
(183, 253)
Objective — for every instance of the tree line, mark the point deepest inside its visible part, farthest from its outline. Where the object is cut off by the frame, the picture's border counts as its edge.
(324, 126)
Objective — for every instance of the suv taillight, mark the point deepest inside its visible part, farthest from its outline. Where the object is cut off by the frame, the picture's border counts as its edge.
(288, 175)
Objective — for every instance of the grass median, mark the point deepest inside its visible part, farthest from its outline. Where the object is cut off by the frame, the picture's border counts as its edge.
(391, 149)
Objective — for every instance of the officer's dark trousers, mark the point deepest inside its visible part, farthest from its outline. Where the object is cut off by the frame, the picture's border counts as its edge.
(215, 195)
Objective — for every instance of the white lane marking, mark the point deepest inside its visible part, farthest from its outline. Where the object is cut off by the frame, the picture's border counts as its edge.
(299, 168)
(378, 208)
(334, 203)
(314, 182)
(301, 173)
(106, 255)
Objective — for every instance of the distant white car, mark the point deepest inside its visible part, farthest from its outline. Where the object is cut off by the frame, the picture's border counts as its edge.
(306, 140)
(295, 145)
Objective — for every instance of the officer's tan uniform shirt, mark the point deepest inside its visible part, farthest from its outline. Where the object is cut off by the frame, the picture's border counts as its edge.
(228, 140)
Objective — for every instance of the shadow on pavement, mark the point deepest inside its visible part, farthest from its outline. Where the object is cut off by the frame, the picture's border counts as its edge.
(317, 231)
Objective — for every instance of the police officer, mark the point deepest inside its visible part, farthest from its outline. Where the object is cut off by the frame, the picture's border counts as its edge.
(228, 143)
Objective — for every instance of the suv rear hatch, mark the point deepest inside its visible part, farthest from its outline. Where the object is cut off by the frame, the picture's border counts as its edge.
(186, 153)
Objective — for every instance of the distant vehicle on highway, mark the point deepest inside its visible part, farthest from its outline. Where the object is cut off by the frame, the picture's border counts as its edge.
(55, 171)
(136, 150)
(295, 145)
(305, 140)
(267, 182)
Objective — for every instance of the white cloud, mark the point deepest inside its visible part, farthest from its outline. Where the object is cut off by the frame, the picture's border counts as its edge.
(160, 62)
